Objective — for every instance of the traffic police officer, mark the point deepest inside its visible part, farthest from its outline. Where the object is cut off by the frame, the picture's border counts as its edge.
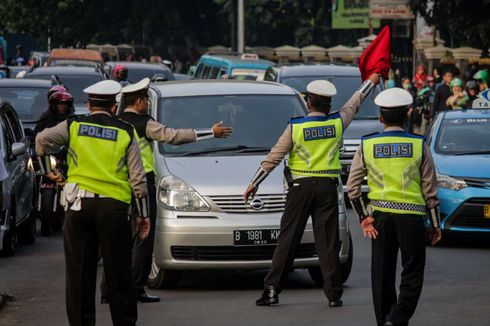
(105, 169)
(312, 143)
(403, 185)
(135, 98)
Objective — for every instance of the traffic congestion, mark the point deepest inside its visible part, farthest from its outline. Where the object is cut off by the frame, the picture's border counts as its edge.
(340, 186)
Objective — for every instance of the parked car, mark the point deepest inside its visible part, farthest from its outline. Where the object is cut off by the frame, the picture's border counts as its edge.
(202, 220)
(17, 221)
(75, 78)
(246, 66)
(347, 80)
(138, 70)
(460, 144)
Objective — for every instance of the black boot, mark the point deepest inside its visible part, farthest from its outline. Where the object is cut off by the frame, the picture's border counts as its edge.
(269, 296)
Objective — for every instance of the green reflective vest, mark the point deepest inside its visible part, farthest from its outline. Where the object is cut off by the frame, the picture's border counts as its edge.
(316, 142)
(393, 161)
(97, 155)
(139, 122)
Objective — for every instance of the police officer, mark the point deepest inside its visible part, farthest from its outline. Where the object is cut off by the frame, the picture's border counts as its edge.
(312, 143)
(135, 96)
(403, 186)
(105, 170)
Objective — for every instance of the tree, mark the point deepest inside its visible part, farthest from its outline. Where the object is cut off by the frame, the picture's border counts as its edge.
(466, 21)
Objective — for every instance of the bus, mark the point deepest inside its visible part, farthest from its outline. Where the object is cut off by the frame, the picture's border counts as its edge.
(247, 66)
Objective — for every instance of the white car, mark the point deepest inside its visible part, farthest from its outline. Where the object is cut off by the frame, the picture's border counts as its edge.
(202, 219)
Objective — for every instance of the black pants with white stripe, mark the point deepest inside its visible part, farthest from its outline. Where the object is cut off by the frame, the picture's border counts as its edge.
(315, 197)
(404, 233)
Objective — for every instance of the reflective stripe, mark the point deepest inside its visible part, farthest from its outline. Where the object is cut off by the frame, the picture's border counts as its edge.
(317, 172)
(398, 206)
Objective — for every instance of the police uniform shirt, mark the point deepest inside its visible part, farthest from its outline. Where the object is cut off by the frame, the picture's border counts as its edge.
(60, 135)
(285, 143)
(162, 133)
(427, 175)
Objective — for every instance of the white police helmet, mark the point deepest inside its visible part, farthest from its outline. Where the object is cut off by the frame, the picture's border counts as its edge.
(322, 88)
(393, 97)
(103, 88)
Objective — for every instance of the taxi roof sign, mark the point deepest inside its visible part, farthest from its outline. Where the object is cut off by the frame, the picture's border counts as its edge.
(482, 101)
(249, 56)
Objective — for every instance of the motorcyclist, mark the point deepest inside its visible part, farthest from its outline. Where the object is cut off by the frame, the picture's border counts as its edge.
(121, 74)
(460, 98)
(472, 89)
(60, 107)
(482, 78)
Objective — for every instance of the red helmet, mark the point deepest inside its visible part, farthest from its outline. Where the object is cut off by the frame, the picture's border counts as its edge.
(56, 88)
(60, 97)
(120, 72)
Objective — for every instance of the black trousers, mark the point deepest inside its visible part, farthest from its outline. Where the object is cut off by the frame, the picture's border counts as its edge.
(405, 233)
(101, 222)
(143, 249)
(315, 196)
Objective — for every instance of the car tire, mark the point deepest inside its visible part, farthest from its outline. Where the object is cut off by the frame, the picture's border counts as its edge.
(27, 232)
(9, 239)
(160, 278)
(345, 268)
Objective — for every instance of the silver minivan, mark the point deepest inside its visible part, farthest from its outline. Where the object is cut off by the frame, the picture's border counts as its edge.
(202, 220)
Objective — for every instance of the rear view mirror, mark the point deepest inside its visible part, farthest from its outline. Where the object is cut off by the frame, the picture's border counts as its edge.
(18, 149)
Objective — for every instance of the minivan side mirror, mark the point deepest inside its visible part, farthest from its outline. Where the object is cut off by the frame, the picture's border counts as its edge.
(18, 149)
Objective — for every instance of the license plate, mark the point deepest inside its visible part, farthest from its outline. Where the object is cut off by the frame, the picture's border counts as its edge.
(255, 237)
(486, 211)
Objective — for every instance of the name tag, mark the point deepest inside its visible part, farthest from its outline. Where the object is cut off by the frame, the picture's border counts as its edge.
(393, 150)
(97, 132)
(316, 133)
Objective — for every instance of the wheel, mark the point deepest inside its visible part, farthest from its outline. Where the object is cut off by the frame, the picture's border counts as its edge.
(345, 268)
(47, 214)
(9, 238)
(160, 278)
(27, 232)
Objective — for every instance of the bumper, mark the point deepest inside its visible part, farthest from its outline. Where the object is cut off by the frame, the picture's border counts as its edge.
(464, 210)
(195, 242)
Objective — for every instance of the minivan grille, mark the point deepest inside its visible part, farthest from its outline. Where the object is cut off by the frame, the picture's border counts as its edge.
(263, 203)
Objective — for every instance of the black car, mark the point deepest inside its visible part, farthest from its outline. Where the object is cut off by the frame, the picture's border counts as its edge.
(28, 97)
(347, 80)
(138, 70)
(75, 78)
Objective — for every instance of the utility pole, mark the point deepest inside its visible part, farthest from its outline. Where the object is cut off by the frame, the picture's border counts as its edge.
(241, 27)
(233, 23)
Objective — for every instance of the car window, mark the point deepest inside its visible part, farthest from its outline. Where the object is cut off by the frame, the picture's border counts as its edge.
(270, 75)
(345, 85)
(135, 74)
(29, 103)
(8, 137)
(14, 124)
(459, 136)
(199, 71)
(257, 120)
(214, 73)
(205, 72)
(75, 83)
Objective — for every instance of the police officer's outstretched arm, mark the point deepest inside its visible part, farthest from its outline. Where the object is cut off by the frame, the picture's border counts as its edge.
(163, 133)
(351, 107)
(45, 141)
(137, 181)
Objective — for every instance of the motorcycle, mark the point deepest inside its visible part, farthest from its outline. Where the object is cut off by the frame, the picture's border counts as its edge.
(50, 210)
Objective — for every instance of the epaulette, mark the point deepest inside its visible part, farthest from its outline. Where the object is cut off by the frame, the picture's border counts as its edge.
(295, 119)
(370, 135)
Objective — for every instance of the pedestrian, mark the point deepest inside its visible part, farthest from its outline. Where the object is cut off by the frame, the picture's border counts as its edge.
(436, 75)
(442, 93)
(431, 82)
(402, 187)
(459, 98)
(482, 78)
(312, 143)
(420, 78)
(105, 170)
(472, 88)
(407, 85)
(135, 98)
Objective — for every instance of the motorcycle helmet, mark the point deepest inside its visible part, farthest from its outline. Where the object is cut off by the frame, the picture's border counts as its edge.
(120, 72)
(60, 97)
(56, 88)
(456, 82)
(471, 84)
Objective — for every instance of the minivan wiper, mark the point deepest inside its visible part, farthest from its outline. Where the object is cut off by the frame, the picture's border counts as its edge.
(238, 149)
(473, 153)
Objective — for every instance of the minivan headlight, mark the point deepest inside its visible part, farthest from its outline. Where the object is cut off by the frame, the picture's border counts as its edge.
(177, 195)
(447, 182)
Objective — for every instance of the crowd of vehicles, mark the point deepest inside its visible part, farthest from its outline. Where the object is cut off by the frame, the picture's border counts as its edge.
(202, 221)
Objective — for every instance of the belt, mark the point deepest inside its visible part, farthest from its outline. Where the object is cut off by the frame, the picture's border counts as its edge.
(89, 194)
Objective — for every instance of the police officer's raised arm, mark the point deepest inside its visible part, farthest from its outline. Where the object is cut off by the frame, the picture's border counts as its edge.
(351, 107)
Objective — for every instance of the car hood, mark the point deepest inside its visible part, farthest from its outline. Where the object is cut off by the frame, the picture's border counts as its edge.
(474, 166)
(359, 128)
(223, 175)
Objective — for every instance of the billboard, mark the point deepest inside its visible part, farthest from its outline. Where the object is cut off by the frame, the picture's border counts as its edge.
(350, 14)
(390, 9)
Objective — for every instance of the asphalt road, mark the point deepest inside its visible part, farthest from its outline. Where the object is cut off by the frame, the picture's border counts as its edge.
(456, 292)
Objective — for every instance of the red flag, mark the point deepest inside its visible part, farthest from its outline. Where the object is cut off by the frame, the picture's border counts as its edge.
(377, 57)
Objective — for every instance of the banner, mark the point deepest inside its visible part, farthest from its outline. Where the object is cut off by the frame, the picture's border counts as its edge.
(350, 14)
(390, 9)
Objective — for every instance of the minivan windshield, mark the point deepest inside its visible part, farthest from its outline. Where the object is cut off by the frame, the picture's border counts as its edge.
(257, 121)
(345, 85)
(468, 136)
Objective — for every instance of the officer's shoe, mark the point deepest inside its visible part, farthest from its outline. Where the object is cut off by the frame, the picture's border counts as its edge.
(335, 303)
(269, 296)
(147, 298)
